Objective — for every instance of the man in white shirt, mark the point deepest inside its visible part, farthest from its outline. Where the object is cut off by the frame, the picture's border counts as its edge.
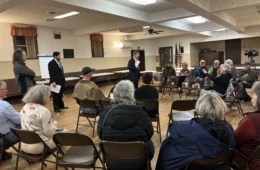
(9, 118)
(134, 69)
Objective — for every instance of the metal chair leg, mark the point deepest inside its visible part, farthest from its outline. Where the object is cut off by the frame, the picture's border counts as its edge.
(160, 132)
(94, 127)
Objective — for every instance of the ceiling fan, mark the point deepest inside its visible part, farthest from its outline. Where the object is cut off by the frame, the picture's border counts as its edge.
(152, 31)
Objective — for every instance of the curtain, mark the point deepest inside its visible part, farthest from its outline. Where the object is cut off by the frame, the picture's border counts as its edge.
(96, 37)
(23, 31)
(31, 47)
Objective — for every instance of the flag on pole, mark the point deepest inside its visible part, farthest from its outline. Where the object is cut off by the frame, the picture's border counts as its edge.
(180, 56)
(176, 55)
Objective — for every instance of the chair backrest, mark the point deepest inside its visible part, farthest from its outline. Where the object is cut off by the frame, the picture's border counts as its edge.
(152, 107)
(87, 103)
(71, 139)
(130, 155)
(237, 88)
(255, 155)
(183, 105)
(110, 92)
(191, 78)
(27, 136)
(224, 159)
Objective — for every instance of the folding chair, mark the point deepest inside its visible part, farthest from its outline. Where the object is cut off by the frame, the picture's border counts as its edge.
(224, 159)
(180, 106)
(171, 84)
(104, 103)
(3, 149)
(111, 93)
(88, 104)
(29, 137)
(234, 99)
(82, 152)
(190, 79)
(125, 155)
(152, 107)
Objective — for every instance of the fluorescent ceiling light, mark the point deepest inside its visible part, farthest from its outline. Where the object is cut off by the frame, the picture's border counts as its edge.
(143, 2)
(222, 29)
(197, 19)
(146, 26)
(66, 15)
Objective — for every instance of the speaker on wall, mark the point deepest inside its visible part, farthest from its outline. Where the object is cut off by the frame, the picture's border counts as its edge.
(57, 36)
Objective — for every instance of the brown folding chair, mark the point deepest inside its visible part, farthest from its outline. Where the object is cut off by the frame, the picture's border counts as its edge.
(180, 106)
(152, 107)
(185, 88)
(88, 104)
(224, 159)
(104, 103)
(29, 137)
(82, 152)
(3, 149)
(234, 99)
(110, 93)
(125, 155)
(171, 84)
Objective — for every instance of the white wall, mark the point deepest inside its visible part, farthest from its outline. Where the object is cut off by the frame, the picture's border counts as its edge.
(250, 43)
(6, 42)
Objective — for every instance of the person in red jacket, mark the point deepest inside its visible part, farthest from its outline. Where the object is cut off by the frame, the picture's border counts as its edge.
(247, 134)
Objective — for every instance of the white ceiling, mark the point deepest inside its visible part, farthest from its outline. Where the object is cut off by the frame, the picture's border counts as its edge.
(189, 22)
(159, 6)
(35, 13)
(244, 13)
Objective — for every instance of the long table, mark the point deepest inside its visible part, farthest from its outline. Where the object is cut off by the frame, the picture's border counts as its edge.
(46, 82)
(106, 75)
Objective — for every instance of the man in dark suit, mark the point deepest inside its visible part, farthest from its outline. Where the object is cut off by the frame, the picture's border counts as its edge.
(134, 69)
(57, 78)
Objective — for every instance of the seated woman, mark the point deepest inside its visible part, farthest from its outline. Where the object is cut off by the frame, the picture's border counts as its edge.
(36, 117)
(183, 74)
(123, 120)
(206, 137)
(247, 133)
(221, 82)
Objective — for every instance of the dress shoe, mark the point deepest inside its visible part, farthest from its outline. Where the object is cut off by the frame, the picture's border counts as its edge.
(65, 108)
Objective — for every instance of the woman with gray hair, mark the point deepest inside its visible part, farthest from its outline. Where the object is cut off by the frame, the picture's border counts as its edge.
(36, 117)
(233, 69)
(247, 133)
(124, 120)
(222, 81)
(200, 138)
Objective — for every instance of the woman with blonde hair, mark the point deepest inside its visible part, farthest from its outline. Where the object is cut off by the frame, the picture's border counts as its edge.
(183, 74)
(200, 138)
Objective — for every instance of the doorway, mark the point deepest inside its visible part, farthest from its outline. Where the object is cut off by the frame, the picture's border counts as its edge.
(166, 55)
(141, 59)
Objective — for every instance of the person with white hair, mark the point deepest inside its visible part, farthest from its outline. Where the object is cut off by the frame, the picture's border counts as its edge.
(221, 82)
(124, 120)
(208, 136)
(215, 70)
(233, 69)
(36, 117)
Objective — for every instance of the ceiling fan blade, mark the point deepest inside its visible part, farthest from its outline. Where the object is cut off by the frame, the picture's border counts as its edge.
(160, 31)
(155, 32)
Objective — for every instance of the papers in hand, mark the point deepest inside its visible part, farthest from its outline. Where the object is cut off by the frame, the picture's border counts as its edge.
(55, 89)
(137, 63)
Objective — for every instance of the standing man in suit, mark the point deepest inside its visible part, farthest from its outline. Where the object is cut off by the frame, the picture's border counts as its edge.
(134, 69)
(57, 78)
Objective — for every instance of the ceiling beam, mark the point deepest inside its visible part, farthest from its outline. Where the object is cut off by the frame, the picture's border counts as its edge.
(201, 8)
(248, 22)
(105, 27)
(206, 27)
(224, 5)
(110, 8)
(171, 14)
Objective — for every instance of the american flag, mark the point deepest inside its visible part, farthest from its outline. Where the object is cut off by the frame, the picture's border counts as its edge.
(180, 56)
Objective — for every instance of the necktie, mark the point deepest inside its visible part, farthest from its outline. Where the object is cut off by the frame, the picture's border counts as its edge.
(60, 65)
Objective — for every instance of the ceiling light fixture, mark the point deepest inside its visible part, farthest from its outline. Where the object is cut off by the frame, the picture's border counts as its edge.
(66, 15)
(197, 19)
(146, 26)
(222, 29)
(143, 2)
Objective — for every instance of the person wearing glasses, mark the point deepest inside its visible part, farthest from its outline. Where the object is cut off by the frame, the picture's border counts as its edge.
(9, 118)
(247, 133)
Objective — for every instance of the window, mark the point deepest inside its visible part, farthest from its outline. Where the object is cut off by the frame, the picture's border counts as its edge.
(97, 48)
(28, 44)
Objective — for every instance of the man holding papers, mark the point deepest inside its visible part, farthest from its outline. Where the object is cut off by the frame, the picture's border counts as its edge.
(57, 81)
(134, 69)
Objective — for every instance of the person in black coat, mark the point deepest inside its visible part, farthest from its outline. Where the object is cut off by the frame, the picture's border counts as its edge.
(134, 69)
(124, 120)
(57, 78)
(221, 82)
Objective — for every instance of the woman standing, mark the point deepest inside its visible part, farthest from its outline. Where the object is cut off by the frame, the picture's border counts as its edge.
(23, 75)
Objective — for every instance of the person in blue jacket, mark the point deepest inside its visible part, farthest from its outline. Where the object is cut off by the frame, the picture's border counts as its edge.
(206, 137)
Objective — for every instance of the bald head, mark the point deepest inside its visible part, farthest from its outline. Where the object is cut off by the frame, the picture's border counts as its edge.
(202, 63)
